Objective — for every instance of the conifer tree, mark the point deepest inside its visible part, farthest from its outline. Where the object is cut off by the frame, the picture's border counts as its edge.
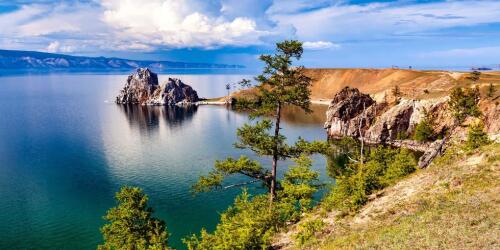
(280, 85)
(131, 225)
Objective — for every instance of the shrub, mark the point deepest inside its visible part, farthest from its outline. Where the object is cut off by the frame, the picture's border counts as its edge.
(307, 231)
(476, 136)
(384, 167)
(403, 164)
(424, 131)
(463, 103)
(491, 90)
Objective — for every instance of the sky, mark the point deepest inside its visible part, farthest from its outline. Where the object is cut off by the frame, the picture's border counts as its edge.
(335, 33)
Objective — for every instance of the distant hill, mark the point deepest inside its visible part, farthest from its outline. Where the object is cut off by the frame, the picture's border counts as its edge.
(15, 59)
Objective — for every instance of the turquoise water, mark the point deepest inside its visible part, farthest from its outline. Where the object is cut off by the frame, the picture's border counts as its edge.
(65, 149)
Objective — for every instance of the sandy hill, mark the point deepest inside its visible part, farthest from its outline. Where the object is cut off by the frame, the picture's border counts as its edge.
(413, 83)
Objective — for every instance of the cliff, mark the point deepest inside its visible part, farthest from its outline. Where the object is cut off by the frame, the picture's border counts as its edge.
(142, 88)
(355, 114)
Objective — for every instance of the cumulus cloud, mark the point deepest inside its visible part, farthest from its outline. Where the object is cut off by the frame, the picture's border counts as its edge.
(174, 24)
(320, 45)
(96, 25)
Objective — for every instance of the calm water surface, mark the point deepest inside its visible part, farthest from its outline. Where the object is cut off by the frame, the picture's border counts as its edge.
(65, 149)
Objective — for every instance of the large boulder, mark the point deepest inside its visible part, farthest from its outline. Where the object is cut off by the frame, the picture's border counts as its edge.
(138, 88)
(142, 88)
(346, 105)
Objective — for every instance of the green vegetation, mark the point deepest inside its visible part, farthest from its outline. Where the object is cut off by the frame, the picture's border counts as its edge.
(463, 103)
(131, 225)
(454, 205)
(424, 130)
(474, 76)
(251, 221)
(383, 168)
(396, 92)
(491, 90)
(476, 136)
(307, 230)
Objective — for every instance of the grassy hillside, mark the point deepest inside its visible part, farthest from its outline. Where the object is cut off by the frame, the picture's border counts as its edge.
(413, 83)
(453, 204)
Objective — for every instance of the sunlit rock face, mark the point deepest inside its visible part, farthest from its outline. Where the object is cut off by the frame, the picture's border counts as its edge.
(142, 88)
(139, 87)
(174, 92)
(346, 105)
(352, 112)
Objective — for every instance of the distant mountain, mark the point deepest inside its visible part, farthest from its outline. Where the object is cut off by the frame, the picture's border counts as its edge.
(15, 59)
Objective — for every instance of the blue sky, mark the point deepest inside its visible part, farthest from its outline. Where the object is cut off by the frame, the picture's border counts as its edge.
(335, 33)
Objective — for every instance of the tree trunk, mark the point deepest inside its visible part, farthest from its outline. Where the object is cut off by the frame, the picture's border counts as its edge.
(275, 153)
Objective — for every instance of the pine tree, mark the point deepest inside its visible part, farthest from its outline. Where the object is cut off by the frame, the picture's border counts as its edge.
(131, 225)
(491, 90)
(396, 92)
(280, 85)
(474, 76)
(463, 103)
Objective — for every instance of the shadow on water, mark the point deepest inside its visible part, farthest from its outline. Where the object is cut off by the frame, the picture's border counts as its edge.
(148, 118)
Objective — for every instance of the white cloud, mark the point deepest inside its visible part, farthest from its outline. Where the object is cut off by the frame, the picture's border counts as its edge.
(55, 46)
(376, 20)
(165, 24)
(173, 23)
(320, 45)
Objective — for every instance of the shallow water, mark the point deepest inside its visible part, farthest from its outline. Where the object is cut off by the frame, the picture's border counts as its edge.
(65, 149)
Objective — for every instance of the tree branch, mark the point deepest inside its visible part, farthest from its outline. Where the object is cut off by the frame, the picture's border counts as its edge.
(241, 184)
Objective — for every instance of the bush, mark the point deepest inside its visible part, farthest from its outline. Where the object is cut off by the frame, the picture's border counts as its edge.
(384, 167)
(463, 103)
(307, 231)
(423, 131)
(476, 136)
(403, 164)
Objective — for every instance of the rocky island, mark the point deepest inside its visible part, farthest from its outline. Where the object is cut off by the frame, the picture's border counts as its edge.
(142, 88)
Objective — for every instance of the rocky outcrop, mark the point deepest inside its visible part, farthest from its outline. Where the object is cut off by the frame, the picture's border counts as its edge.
(142, 88)
(352, 112)
(139, 87)
(174, 92)
(347, 105)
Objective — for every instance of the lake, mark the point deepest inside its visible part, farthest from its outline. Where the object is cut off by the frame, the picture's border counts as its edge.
(66, 148)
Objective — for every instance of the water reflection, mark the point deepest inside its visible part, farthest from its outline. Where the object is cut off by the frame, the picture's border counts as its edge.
(147, 118)
(296, 116)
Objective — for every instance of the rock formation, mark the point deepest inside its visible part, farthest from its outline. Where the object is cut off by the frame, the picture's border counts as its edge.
(346, 105)
(174, 92)
(139, 87)
(352, 112)
(142, 88)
